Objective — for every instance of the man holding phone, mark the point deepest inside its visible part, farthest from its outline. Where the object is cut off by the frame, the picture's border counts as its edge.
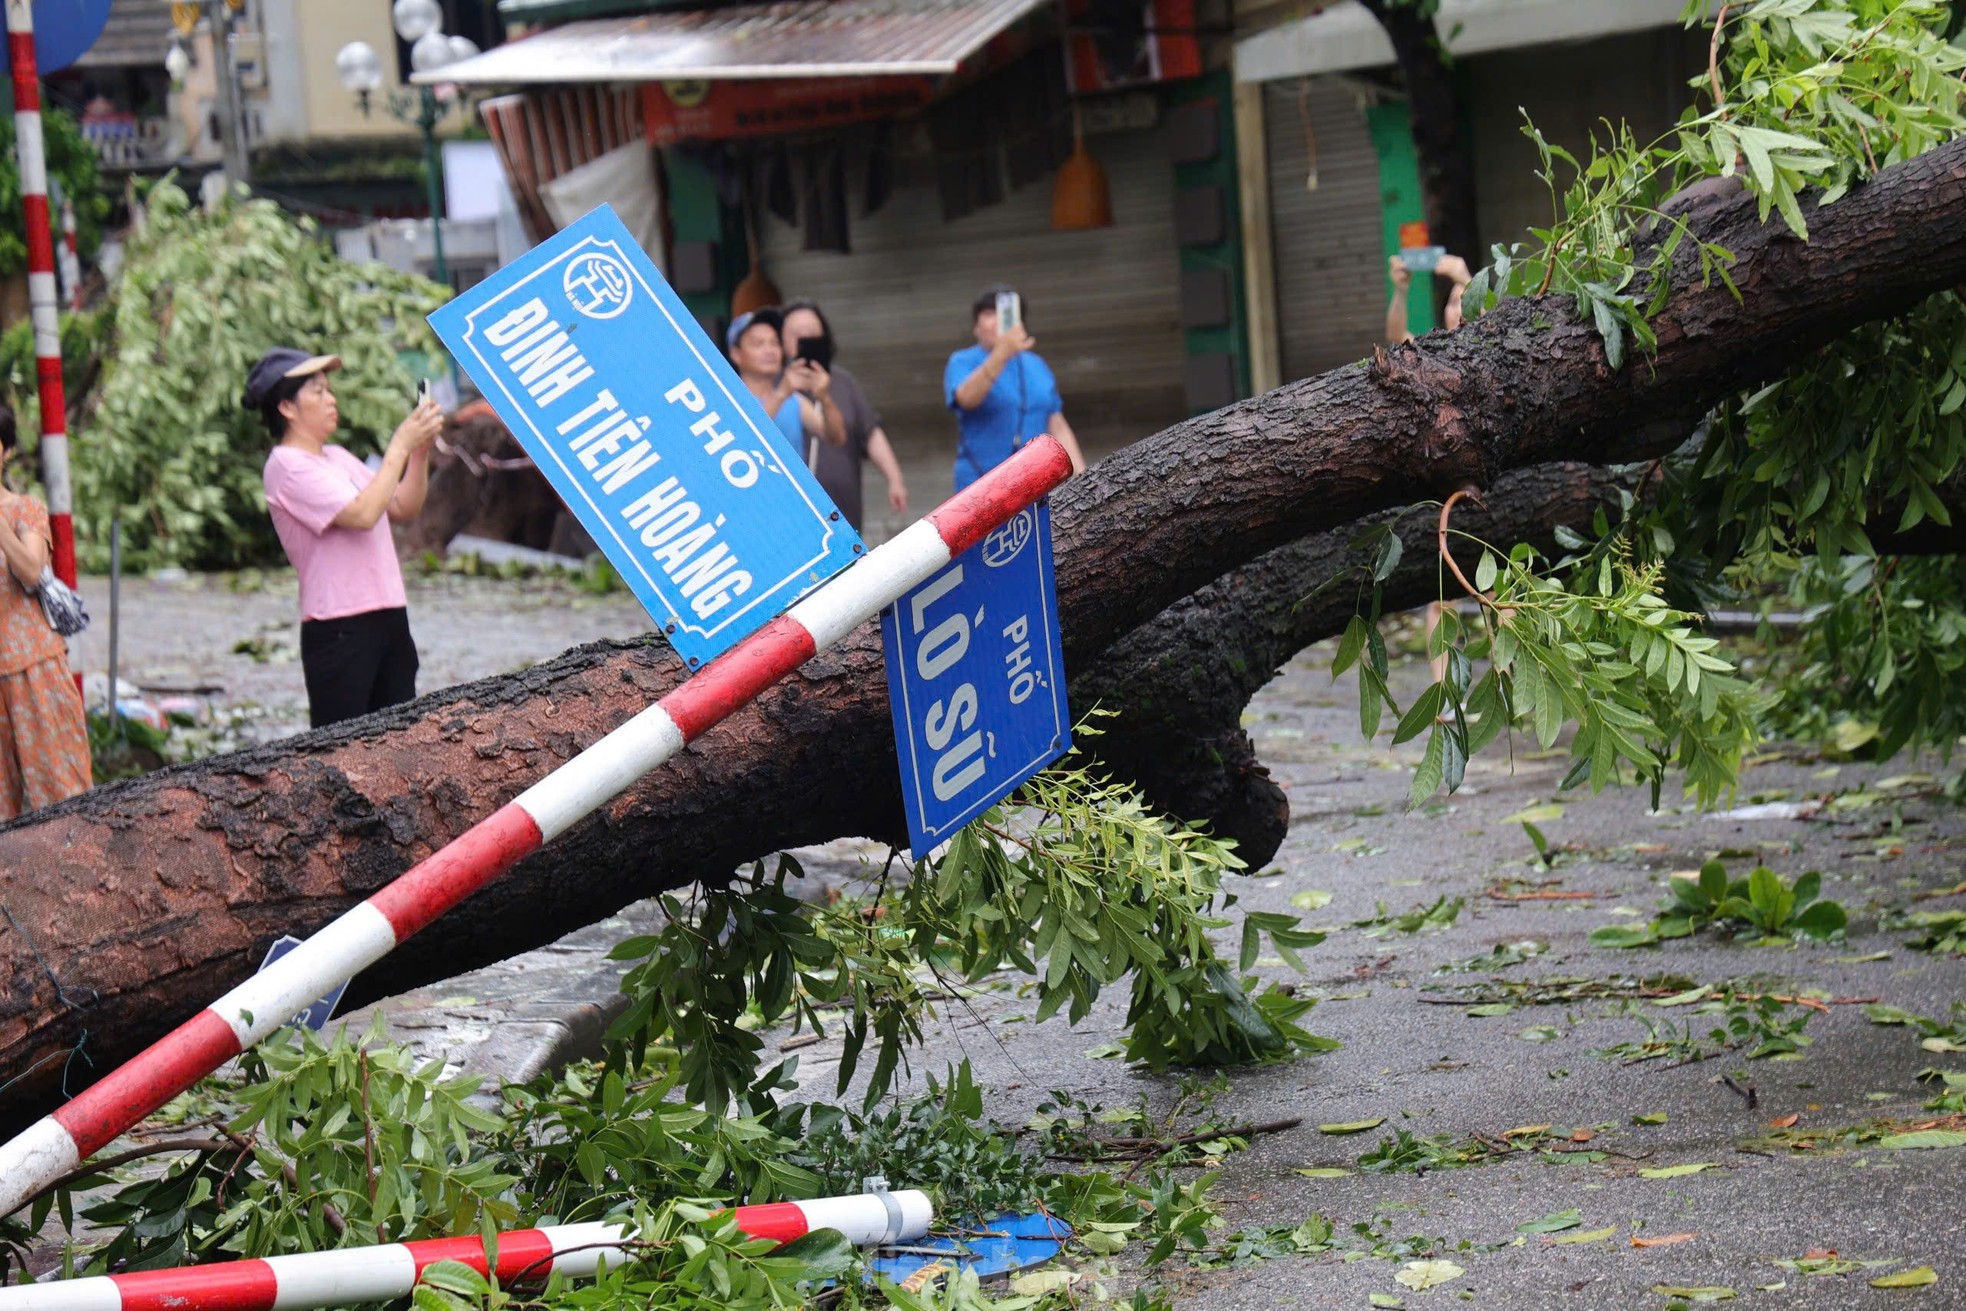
(1002, 391)
(333, 514)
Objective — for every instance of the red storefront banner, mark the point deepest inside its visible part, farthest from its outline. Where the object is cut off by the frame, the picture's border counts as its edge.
(681, 111)
(1102, 55)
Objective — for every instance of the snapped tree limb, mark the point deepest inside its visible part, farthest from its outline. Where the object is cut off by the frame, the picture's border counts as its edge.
(131, 907)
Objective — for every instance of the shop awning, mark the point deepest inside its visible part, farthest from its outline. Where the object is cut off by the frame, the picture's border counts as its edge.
(800, 39)
(1345, 36)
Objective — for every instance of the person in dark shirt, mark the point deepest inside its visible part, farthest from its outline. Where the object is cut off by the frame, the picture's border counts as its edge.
(854, 432)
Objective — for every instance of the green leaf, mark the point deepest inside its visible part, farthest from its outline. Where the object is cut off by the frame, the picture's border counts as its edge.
(1923, 1139)
(1917, 1277)
(1696, 1292)
(1351, 1126)
(1422, 1275)
(1424, 710)
(1427, 776)
(1592, 1236)
(1553, 1223)
(1677, 1171)
(1623, 935)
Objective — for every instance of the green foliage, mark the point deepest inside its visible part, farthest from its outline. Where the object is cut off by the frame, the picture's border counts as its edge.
(1944, 931)
(71, 168)
(1760, 902)
(590, 1141)
(83, 340)
(1877, 667)
(201, 296)
(1079, 885)
(939, 1142)
(326, 1145)
(686, 1255)
(1755, 1025)
(1441, 914)
(1785, 487)
(1597, 647)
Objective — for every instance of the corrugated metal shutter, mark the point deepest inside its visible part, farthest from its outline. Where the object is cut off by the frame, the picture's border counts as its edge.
(1103, 304)
(1329, 243)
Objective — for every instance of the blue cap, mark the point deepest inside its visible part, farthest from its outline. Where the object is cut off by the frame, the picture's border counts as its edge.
(767, 314)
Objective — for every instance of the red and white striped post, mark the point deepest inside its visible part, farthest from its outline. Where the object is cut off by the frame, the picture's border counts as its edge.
(355, 1275)
(41, 298)
(55, 1145)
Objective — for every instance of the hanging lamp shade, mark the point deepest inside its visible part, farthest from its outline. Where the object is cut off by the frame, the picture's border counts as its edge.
(756, 290)
(1080, 196)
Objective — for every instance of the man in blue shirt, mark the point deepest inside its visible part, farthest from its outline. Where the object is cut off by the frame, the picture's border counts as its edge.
(1003, 394)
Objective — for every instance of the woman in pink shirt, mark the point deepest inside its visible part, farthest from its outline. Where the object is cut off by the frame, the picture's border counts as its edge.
(333, 513)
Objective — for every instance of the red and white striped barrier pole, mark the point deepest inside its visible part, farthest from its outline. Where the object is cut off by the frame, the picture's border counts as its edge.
(55, 1145)
(41, 284)
(355, 1275)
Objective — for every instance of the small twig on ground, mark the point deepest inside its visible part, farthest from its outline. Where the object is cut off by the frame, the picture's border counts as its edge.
(1496, 894)
(1934, 895)
(1140, 1149)
(1745, 1091)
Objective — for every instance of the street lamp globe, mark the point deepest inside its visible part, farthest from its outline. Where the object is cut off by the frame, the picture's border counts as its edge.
(431, 52)
(416, 19)
(358, 67)
(463, 47)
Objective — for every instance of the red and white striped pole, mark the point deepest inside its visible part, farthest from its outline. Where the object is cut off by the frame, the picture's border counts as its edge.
(41, 298)
(55, 1145)
(354, 1275)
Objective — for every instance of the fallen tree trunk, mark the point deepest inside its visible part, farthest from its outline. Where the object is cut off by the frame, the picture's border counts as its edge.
(129, 908)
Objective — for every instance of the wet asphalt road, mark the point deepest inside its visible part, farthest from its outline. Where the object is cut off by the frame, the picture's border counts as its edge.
(1430, 1068)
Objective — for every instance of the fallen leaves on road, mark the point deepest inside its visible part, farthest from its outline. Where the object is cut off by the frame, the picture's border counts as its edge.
(1925, 1138)
(1917, 1278)
(1675, 1171)
(1664, 1240)
(1587, 1236)
(1550, 1224)
(1351, 1126)
(1696, 1292)
(1785, 1122)
(1422, 1275)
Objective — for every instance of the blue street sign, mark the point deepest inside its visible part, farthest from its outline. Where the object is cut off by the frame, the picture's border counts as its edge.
(976, 678)
(63, 32)
(648, 435)
(316, 1016)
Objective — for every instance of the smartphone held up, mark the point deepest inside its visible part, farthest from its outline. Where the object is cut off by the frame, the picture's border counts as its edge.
(1010, 311)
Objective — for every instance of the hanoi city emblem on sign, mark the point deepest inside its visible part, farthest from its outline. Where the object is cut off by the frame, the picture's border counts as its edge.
(597, 284)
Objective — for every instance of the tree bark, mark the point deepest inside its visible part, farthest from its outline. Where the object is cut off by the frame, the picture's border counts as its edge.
(129, 908)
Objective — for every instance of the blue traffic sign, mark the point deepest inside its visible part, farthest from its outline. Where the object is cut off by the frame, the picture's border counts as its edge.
(63, 32)
(648, 435)
(317, 1015)
(976, 678)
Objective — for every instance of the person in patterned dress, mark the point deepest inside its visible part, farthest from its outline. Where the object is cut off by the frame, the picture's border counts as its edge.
(44, 740)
